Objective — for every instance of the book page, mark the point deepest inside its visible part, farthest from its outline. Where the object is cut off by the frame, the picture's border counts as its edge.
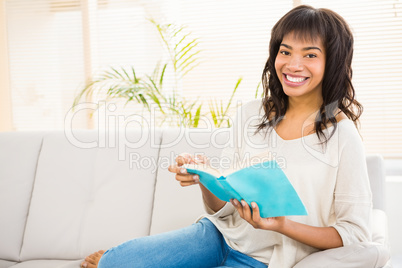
(204, 167)
(243, 163)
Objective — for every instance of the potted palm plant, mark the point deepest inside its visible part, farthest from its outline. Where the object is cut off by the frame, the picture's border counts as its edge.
(148, 90)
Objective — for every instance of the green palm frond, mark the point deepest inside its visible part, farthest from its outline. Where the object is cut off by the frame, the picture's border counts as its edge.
(257, 90)
(219, 112)
(182, 48)
(149, 89)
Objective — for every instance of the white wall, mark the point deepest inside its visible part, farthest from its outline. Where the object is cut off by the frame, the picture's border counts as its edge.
(394, 211)
(5, 99)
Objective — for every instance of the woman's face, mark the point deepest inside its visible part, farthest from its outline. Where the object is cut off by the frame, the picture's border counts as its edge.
(300, 66)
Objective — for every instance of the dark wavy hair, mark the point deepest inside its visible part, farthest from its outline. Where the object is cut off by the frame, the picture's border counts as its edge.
(308, 23)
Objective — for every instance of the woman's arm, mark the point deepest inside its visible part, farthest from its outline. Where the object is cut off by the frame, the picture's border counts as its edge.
(318, 237)
(211, 200)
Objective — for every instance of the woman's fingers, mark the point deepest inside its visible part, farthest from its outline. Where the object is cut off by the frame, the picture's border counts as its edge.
(246, 211)
(187, 178)
(256, 212)
(201, 159)
(238, 206)
(184, 158)
(184, 184)
(177, 169)
(182, 175)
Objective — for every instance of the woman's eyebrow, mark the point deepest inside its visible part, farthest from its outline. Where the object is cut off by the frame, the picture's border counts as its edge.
(304, 49)
(309, 48)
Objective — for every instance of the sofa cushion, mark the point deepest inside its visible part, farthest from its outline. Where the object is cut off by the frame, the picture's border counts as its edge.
(48, 264)
(186, 206)
(18, 157)
(6, 264)
(78, 202)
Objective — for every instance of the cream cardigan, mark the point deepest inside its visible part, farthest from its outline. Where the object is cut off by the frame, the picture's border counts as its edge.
(331, 181)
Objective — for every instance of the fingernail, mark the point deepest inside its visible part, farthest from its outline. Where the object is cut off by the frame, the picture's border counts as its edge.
(235, 202)
(243, 203)
(84, 264)
(253, 205)
(196, 179)
(183, 171)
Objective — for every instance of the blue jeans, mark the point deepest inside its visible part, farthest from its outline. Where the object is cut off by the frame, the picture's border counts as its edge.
(199, 245)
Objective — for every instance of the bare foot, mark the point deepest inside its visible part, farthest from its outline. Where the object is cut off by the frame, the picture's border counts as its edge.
(92, 260)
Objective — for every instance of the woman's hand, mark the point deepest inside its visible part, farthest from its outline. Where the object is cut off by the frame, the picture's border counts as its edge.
(318, 237)
(186, 179)
(182, 176)
(254, 218)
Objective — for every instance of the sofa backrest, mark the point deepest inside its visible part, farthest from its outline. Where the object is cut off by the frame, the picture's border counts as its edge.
(19, 154)
(376, 172)
(87, 193)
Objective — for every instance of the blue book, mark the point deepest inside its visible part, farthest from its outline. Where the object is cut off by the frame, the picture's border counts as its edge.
(264, 183)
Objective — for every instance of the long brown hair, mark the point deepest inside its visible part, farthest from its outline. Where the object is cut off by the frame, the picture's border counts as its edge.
(309, 23)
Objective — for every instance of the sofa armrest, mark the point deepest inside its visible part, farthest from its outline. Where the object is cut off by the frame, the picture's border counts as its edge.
(374, 254)
(380, 227)
(365, 254)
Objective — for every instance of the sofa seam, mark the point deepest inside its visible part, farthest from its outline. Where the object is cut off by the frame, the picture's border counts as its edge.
(84, 219)
(30, 199)
(155, 181)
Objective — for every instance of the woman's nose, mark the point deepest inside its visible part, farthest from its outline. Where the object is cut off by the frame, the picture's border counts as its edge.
(295, 64)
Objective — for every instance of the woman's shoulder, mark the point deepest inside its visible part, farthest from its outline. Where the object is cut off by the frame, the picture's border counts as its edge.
(348, 131)
(341, 116)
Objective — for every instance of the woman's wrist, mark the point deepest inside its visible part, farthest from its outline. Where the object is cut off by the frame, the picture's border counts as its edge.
(283, 225)
(211, 200)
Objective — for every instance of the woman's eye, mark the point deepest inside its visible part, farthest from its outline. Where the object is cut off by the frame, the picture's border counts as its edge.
(286, 53)
(311, 56)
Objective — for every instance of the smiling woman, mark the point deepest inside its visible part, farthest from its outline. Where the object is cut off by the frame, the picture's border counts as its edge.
(310, 65)
(334, 186)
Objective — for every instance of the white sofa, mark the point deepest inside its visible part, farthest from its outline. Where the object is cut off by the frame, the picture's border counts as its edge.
(66, 195)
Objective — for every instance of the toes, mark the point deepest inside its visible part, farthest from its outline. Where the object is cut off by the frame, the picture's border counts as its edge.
(92, 265)
(99, 254)
(90, 260)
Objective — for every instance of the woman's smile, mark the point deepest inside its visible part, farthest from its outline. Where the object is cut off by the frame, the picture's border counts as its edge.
(294, 80)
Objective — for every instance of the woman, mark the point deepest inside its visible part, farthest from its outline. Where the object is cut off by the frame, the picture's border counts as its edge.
(308, 120)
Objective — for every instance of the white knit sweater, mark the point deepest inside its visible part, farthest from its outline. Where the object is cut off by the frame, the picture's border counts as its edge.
(331, 181)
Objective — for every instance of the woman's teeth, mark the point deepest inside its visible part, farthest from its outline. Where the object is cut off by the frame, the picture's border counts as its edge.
(295, 79)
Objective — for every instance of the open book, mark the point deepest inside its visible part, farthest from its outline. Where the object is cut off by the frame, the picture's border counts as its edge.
(264, 183)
